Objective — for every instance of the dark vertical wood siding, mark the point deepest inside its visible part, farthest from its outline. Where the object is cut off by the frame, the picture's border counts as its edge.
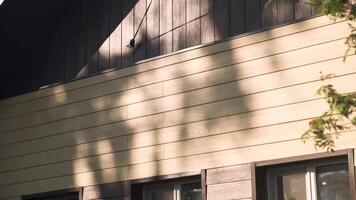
(116, 35)
(166, 25)
(103, 35)
(302, 9)
(269, 14)
(140, 28)
(127, 31)
(94, 35)
(83, 67)
(153, 29)
(237, 17)
(221, 19)
(253, 15)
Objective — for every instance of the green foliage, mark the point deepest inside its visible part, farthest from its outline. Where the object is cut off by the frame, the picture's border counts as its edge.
(338, 118)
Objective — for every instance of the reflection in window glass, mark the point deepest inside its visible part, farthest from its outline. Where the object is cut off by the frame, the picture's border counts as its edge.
(291, 187)
(160, 195)
(191, 191)
(333, 182)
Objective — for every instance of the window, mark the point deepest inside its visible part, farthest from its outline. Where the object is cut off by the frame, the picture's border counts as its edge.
(188, 189)
(70, 194)
(309, 181)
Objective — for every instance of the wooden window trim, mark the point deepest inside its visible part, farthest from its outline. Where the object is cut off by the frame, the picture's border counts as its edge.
(165, 177)
(348, 153)
(54, 193)
(352, 178)
(156, 179)
(203, 185)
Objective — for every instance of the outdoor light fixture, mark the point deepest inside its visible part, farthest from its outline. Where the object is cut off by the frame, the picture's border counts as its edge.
(1, 1)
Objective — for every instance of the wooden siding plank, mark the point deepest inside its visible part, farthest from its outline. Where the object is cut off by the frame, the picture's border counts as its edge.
(103, 35)
(206, 7)
(153, 14)
(92, 37)
(168, 60)
(166, 43)
(127, 31)
(115, 37)
(77, 29)
(237, 17)
(193, 33)
(253, 15)
(83, 64)
(269, 16)
(179, 14)
(233, 190)
(153, 29)
(221, 19)
(229, 174)
(69, 46)
(285, 11)
(179, 38)
(166, 25)
(59, 59)
(141, 37)
(153, 47)
(193, 9)
(207, 28)
(165, 16)
(303, 9)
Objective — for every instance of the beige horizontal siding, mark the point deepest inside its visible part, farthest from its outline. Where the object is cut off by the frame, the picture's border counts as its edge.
(264, 100)
(281, 114)
(244, 100)
(242, 87)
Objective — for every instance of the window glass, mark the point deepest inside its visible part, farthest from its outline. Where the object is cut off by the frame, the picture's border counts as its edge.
(291, 187)
(160, 192)
(160, 195)
(333, 182)
(187, 189)
(191, 191)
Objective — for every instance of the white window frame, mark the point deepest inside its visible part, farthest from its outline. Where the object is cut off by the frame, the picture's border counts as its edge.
(174, 185)
(310, 176)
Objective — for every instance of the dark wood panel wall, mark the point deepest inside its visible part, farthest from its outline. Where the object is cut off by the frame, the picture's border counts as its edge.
(94, 34)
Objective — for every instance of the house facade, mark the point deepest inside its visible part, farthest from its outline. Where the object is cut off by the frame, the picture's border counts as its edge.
(177, 100)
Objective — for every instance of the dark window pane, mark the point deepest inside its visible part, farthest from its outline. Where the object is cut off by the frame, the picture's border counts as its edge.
(191, 191)
(333, 182)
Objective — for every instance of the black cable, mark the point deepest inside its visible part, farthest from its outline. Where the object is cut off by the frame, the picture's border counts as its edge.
(132, 41)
